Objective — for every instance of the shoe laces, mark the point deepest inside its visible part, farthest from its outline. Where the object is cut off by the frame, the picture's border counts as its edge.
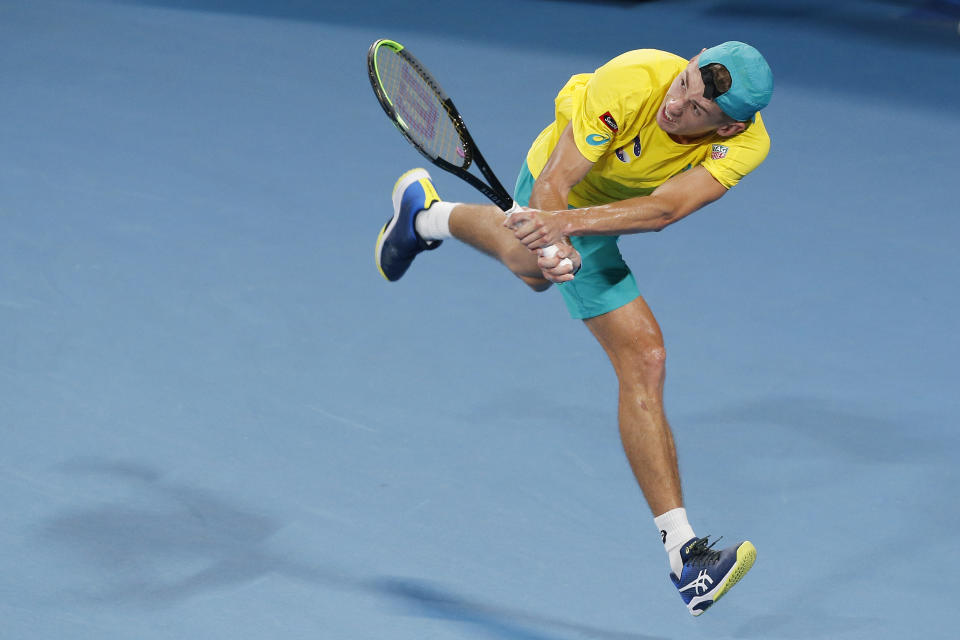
(702, 554)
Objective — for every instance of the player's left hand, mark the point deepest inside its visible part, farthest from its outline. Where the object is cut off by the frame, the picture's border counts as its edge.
(555, 268)
(535, 228)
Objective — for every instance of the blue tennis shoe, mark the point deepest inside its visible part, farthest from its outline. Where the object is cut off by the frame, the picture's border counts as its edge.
(707, 575)
(399, 243)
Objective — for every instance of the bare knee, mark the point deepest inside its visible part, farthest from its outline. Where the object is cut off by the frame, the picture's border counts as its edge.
(644, 366)
(523, 264)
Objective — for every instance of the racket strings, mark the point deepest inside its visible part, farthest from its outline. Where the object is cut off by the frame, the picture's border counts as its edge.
(420, 107)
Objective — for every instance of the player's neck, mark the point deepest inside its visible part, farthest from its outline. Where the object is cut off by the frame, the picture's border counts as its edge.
(691, 139)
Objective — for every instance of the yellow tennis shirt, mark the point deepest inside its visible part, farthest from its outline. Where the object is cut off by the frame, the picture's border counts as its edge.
(613, 112)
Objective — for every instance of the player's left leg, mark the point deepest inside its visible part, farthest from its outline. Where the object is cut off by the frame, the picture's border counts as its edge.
(632, 339)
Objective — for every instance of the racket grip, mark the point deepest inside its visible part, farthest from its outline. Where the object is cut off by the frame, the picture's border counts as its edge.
(548, 251)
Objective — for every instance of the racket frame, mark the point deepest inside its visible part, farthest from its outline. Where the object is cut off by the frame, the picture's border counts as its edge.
(494, 190)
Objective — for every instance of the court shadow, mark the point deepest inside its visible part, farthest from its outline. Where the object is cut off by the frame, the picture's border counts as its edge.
(929, 24)
(496, 621)
(166, 543)
(809, 42)
(915, 24)
(802, 627)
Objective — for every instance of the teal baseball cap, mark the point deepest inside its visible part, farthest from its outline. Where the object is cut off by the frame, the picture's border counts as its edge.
(751, 79)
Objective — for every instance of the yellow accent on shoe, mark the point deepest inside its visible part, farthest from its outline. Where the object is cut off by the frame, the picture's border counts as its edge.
(431, 193)
(746, 556)
(376, 251)
(427, 184)
(430, 197)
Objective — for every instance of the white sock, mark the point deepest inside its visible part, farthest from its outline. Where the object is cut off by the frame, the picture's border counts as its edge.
(434, 223)
(674, 532)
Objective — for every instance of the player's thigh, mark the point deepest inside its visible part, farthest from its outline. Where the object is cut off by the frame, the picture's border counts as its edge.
(631, 337)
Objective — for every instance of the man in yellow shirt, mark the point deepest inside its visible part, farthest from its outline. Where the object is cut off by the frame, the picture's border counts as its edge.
(644, 141)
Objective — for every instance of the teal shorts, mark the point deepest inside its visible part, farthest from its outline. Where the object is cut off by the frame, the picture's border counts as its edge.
(604, 282)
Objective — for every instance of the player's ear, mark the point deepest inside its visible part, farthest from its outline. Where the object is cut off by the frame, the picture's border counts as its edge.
(731, 129)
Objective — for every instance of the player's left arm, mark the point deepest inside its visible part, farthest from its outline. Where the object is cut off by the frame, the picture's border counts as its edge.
(671, 202)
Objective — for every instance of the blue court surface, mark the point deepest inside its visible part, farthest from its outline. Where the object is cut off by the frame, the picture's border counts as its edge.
(218, 421)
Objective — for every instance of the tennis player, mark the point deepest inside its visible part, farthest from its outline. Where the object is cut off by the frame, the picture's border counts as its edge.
(643, 142)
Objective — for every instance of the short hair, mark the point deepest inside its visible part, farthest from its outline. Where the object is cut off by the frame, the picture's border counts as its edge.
(716, 81)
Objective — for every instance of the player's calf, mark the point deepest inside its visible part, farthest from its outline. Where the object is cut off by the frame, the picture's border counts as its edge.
(537, 284)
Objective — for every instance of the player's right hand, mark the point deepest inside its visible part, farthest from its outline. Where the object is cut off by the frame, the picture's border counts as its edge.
(555, 268)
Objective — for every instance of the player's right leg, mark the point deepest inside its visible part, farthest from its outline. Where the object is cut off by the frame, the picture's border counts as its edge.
(480, 226)
(399, 243)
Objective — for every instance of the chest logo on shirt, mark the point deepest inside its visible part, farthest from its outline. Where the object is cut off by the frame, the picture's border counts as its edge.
(609, 122)
(627, 153)
(595, 139)
(719, 152)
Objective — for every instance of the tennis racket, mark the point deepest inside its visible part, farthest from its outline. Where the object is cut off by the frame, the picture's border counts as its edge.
(427, 118)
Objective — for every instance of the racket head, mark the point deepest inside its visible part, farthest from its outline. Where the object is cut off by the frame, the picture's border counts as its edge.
(417, 105)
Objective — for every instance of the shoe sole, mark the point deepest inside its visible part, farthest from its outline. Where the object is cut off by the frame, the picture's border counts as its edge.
(399, 187)
(746, 556)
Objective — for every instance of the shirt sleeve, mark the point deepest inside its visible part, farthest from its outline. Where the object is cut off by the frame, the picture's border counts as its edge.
(730, 160)
(598, 111)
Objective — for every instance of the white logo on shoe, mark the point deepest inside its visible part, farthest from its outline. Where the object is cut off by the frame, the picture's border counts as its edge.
(701, 584)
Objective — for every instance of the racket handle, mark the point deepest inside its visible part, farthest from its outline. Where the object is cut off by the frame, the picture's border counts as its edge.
(550, 251)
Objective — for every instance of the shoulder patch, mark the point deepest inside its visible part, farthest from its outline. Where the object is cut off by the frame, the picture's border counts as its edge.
(719, 152)
(609, 122)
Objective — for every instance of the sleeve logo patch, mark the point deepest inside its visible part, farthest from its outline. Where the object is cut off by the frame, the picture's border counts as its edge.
(609, 122)
(595, 139)
(719, 152)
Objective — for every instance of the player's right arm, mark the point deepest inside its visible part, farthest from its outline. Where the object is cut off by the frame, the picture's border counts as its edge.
(564, 169)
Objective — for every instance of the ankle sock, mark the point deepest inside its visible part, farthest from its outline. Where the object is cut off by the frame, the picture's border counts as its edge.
(434, 223)
(674, 532)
